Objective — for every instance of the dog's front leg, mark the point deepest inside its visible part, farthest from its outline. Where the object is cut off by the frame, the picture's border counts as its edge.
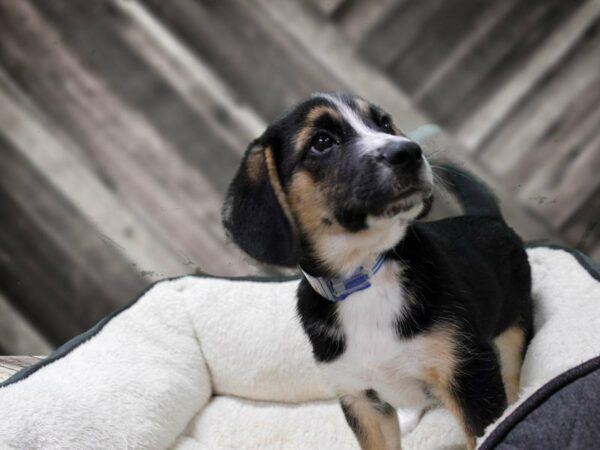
(373, 421)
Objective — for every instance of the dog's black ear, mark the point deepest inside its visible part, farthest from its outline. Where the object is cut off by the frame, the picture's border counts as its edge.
(256, 214)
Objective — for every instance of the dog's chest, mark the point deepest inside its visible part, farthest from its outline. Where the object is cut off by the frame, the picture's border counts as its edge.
(375, 357)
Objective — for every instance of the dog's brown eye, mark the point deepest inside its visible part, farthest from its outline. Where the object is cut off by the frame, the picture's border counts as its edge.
(322, 142)
(386, 125)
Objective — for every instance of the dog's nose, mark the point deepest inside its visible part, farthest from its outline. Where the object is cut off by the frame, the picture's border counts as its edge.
(405, 153)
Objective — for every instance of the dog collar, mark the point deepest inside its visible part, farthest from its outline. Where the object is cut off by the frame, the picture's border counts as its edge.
(337, 289)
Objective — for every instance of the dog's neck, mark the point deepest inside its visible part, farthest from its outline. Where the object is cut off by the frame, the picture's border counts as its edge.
(341, 254)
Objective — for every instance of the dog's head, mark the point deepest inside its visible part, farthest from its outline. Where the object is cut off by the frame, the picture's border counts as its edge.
(332, 181)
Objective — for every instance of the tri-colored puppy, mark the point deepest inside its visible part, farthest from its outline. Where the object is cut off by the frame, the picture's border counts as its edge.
(399, 314)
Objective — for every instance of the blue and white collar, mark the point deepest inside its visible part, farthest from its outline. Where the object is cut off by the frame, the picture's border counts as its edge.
(338, 288)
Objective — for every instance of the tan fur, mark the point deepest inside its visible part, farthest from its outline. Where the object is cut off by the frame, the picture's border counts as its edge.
(309, 206)
(255, 163)
(276, 184)
(307, 129)
(510, 346)
(377, 431)
(364, 107)
(441, 356)
(442, 360)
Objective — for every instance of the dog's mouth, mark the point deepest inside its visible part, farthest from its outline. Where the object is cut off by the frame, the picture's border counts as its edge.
(408, 199)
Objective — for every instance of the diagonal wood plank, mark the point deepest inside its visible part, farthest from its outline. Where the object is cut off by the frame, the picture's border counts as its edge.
(252, 55)
(95, 35)
(55, 158)
(495, 59)
(474, 131)
(53, 264)
(358, 18)
(17, 335)
(192, 78)
(9, 365)
(172, 197)
(554, 100)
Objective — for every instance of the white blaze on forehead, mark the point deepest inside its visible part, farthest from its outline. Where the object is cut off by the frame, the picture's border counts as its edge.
(369, 139)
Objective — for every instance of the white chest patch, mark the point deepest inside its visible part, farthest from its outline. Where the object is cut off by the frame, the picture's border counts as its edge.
(375, 357)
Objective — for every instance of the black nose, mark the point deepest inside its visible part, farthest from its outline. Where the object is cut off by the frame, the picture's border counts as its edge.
(405, 153)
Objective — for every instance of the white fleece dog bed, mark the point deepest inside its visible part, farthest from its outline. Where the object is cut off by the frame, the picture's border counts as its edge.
(210, 363)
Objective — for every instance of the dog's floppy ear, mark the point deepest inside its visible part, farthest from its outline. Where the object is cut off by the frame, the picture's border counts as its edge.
(256, 214)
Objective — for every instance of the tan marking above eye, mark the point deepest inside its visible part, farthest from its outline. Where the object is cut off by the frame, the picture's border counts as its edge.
(306, 131)
(364, 107)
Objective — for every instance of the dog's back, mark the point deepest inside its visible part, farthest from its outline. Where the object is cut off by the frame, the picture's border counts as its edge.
(485, 254)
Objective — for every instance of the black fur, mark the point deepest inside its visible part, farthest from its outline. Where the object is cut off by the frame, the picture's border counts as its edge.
(469, 272)
(317, 316)
(251, 208)
(474, 195)
(478, 388)
(380, 406)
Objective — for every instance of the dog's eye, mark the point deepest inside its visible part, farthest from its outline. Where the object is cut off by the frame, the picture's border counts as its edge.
(321, 143)
(386, 125)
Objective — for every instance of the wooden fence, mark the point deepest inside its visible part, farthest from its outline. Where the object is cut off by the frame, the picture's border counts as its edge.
(122, 122)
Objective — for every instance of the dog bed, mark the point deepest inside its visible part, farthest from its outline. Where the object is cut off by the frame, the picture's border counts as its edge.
(210, 363)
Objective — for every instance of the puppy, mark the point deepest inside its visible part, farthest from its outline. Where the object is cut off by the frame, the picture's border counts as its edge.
(399, 314)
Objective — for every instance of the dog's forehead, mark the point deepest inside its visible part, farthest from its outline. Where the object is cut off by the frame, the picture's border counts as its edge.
(338, 113)
(353, 110)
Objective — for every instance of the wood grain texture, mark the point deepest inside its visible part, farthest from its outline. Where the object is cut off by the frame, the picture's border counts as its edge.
(9, 365)
(122, 122)
(239, 40)
(17, 335)
(496, 108)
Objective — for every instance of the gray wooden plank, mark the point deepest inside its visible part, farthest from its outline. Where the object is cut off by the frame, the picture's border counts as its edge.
(328, 7)
(359, 17)
(396, 30)
(516, 149)
(55, 159)
(53, 263)
(485, 24)
(172, 197)
(446, 28)
(237, 41)
(197, 84)
(583, 227)
(94, 31)
(474, 131)
(9, 365)
(568, 180)
(494, 59)
(17, 336)
(545, 131)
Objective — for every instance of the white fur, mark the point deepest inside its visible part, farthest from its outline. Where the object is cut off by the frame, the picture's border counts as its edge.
(344, 252)
(369, 139)
(375, 357)
(145, 382)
